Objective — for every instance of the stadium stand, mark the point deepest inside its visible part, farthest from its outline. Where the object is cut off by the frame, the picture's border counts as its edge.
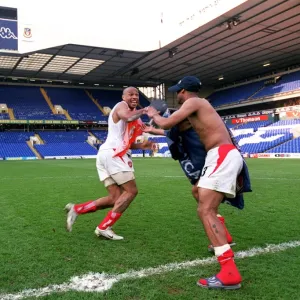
(289, 82)
(242, 136)
(63, 136)
(100, 134)
(138, 152)
(27, 103)
(15, 150)
(286, 123)
(262, 141)
(65, 143)
(14, 137)
(66, 149)
(292, 146)
(107, 98)
(254, 125)
(13, 144)
(76, 102)
(4, 116)
(270, 139)
(236, 94)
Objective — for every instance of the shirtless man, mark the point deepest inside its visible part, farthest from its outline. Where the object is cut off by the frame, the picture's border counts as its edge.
(114, 165)
(186, 147)
(223, 164)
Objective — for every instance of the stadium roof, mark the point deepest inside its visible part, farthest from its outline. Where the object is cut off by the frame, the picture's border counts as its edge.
(256, 38)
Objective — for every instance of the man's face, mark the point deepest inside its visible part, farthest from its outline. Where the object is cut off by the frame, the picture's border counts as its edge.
(180, 97)
(131, 97)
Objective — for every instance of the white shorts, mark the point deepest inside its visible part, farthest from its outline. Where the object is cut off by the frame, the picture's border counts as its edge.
(114, 169)
(222, 167)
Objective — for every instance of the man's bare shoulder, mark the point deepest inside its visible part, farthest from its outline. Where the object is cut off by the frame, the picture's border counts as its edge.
(121, 105)
(119, 108)
(196, 101)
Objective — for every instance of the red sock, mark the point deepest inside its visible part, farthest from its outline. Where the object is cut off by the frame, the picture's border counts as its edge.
(110, 219)
(86, 207)
(228, 236)
(229, 273)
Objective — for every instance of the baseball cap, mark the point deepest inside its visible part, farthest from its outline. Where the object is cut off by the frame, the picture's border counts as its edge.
(189, 83)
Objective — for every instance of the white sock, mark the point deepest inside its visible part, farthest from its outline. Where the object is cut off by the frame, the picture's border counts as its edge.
(220, 250)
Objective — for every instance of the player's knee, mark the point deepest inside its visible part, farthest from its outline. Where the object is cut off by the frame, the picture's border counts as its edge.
(131, 189)
(114, 193)
(112, 199)
(205, 211)
(133, 192)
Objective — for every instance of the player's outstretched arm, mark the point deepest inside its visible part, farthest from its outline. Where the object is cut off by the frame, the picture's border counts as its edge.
(128, 116)
(146, 145)
(152, 130)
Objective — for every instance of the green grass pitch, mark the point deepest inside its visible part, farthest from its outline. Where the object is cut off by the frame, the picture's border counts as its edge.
(160, 227)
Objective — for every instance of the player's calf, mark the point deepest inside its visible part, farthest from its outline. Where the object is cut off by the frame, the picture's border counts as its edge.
(228, 235)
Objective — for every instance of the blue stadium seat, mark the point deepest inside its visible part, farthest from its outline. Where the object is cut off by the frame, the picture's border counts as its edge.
(292, 146)
(255, 125)
(77, 103)
(27, 103)
(13, 144)
(15, 150)
(255, 90)
(66, 149)
(15, 137)
(256, 143)
(286, 123)
(63, 136)
(288, 82)
(65, 143)
(236, 94)
(4, 116)
(100, 134)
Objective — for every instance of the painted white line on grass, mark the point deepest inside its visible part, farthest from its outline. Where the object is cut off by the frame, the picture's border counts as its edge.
(100, 282)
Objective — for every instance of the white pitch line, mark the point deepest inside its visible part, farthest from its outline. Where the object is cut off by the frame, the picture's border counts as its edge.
(100, 282)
